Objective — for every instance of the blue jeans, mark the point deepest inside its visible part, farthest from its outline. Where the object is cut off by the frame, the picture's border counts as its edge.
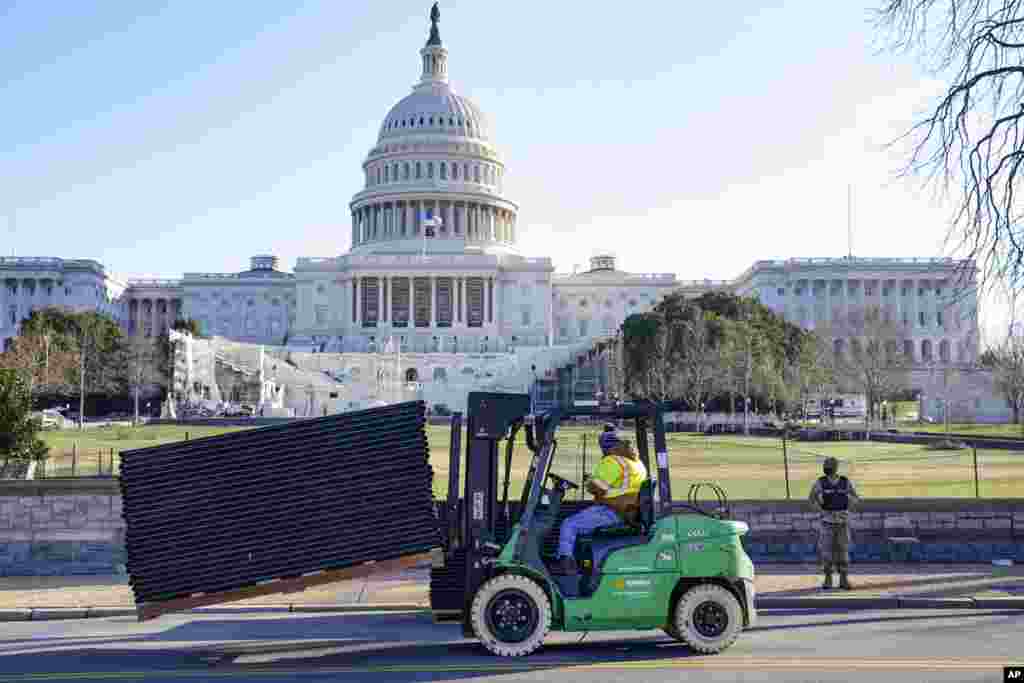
(593, 517)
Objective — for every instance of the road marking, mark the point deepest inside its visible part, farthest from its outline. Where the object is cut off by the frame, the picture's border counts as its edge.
(711, 662)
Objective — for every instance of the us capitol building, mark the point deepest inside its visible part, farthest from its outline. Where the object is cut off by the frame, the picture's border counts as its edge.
(434, 272)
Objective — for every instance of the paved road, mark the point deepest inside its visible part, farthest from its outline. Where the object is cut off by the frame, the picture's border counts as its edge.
(963, 645)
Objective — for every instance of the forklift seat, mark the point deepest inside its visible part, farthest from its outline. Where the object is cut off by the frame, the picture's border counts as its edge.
(642, 524)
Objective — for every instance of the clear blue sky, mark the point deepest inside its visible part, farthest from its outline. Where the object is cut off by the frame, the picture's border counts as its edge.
(164, 137)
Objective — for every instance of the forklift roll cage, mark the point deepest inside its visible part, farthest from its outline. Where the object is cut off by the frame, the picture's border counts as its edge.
(493, 417)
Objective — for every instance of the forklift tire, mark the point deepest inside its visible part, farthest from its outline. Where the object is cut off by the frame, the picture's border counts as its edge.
(511, 615)
(708, 618)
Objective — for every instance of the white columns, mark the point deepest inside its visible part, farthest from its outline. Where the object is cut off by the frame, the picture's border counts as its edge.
(462, 302)
(496, 304)
(433, 301)
(380, 300)
(412, 321)
(359, 302)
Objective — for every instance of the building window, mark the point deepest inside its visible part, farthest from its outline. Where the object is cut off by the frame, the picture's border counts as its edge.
(455, 171)
(920, 318)
(938, 318)
(378, 175)
(394, 172)
(583, 327)
(386, 169)
(444, 171)
(905, 291)
(430, 169)
(920, 291)
(526, 316)
(476, 173)
(563, 332)
(781, 291)
(419, 170)
(405, 171)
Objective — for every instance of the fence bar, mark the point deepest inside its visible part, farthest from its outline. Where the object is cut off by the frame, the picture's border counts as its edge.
(785, 462)
(74, 457)
(977, 489)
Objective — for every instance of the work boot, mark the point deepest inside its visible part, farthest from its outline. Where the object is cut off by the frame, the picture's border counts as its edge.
(828, 582)
(566, 566)
(844, 582)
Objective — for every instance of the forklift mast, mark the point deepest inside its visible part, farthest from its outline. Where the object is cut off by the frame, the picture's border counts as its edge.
(490, 418)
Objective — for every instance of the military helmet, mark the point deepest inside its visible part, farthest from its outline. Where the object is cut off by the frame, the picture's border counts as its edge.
(830, 466)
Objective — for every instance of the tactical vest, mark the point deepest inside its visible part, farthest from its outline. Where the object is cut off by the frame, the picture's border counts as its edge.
(835, 496)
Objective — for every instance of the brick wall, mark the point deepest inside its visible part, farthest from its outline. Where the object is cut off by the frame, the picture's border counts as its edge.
(75, 527)
(61, 527)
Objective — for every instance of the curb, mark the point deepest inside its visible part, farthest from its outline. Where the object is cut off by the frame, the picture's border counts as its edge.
(63, 613)
(851, 603)
(856, 603)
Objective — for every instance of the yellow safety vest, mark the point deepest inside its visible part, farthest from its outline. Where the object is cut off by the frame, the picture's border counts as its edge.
(632, 475)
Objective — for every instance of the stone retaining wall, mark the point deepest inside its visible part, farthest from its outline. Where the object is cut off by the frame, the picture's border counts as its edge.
(61, 527)
(927, 530)
(68, 527)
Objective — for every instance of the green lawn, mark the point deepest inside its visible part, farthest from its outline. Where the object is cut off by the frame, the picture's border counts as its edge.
(747, 467)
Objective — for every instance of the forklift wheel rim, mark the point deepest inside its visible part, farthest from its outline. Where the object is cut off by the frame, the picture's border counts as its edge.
(512, 615)
(710, 618)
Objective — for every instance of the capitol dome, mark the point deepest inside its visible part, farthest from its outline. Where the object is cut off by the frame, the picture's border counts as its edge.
(434, 174)
(435, 109)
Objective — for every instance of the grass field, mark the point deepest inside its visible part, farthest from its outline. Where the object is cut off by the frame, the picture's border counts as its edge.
(747, 467)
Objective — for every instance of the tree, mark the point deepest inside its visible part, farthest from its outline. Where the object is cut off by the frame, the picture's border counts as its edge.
(19, 431)
(868, 357)
(810, 371)
(1007, 364)
(186, 325)
(145, 364)
(695, 362)
(44, 352)
(971, 142)
(644, 361)
(100, 357)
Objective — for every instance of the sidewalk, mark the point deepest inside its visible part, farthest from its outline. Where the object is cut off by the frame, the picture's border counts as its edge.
(777, 585)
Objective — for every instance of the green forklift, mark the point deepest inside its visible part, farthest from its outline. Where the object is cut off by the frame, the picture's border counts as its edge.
(677, 567)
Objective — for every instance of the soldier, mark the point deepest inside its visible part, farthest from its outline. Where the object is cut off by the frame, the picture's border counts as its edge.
(833, 495)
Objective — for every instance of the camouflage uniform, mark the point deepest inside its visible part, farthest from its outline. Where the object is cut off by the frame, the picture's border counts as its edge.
(834, 532)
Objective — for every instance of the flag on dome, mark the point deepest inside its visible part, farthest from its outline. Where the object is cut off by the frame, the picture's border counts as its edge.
(430, 223)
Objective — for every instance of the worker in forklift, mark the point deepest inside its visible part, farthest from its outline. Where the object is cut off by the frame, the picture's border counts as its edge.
(615, 486)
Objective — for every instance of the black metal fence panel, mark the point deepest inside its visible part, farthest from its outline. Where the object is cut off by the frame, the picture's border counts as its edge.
(225, 512)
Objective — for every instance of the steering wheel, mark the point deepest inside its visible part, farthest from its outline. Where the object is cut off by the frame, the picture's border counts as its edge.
(563, 483)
